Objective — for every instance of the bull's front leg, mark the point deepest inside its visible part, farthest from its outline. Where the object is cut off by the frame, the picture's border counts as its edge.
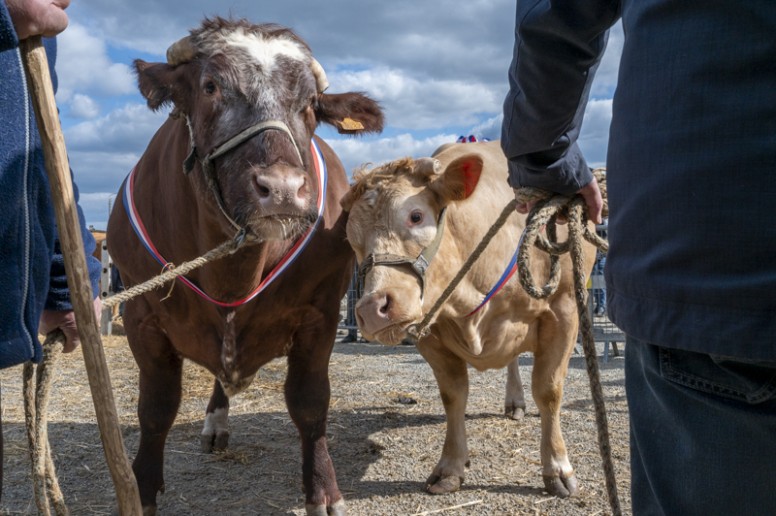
(160, 395)
(453, 381)
(514, 401)
(215, 432)
(549, 373)
(307, 392)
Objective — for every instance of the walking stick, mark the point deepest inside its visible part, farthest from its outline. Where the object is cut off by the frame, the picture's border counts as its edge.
(55, 154)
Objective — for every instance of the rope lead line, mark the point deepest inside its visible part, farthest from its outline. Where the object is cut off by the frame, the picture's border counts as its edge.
(545, 214)
(227, 248)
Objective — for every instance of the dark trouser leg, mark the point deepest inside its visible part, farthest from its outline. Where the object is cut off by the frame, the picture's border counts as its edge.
(703, 432)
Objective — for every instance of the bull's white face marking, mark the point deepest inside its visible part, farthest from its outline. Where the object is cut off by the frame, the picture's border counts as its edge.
(216, 422)
(266, 51)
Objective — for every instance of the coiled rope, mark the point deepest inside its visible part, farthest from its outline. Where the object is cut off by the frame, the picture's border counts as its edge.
(36, 397)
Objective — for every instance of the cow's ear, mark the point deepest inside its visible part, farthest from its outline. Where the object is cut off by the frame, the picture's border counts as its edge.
(350, 113)
(357, 189)
(459, 179)
(155, 81)
(348, 200)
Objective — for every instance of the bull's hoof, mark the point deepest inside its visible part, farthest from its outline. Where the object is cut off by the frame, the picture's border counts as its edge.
(514, 412)
(561, 486)
(338, 508)
(210, 443)
(437, 485)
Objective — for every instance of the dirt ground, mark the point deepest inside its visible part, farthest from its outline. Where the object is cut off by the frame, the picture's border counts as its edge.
(382, 449)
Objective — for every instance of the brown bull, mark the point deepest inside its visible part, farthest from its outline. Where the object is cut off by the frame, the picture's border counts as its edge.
(238, 156)
(396, 224)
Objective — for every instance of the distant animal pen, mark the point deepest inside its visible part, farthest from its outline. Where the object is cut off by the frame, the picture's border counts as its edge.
(604, 330)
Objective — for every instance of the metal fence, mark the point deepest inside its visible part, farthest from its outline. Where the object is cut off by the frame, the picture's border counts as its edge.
(604, 331)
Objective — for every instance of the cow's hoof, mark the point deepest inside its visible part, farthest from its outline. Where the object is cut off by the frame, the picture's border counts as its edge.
(437, 485)
(560, 486)
(514, 412)
(149, 510)
(210, 443)
(338, 508)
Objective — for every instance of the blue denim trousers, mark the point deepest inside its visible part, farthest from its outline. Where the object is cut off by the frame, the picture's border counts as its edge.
(703, 433)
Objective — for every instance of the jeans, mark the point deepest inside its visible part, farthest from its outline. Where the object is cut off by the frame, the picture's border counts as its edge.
(703, 433)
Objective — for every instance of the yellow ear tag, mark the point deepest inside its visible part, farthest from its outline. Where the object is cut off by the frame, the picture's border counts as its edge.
(348, 124)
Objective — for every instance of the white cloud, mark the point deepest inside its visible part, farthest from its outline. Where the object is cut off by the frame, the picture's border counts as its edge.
(594, 137)
(83, 65)
(83, 106)
(355, 153)
(126, 129)
(412, 103)
(606, 75)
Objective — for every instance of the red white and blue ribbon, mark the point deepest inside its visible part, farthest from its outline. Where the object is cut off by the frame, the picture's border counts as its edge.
(508, 273)
(140, 229)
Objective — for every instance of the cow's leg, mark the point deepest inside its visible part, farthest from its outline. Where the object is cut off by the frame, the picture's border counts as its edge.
(307, 394)
(514, 402)
(453, 382)
(160, 394)
(215, 433)
(549, 372)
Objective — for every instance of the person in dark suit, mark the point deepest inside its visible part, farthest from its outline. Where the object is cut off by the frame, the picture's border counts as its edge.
(691, 179)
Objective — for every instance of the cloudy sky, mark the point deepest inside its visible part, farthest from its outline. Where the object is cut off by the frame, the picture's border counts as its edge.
(438, 68)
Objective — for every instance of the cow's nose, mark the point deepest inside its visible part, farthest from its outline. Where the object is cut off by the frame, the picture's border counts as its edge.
(282, 190)
(373, 312)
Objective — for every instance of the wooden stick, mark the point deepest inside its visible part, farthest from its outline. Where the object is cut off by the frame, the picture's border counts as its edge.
(55, 154)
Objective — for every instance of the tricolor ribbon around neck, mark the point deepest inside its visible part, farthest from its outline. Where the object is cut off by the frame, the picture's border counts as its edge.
(508, 273)
(140, 229)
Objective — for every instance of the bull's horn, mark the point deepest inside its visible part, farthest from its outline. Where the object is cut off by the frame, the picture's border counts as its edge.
(319, 74)
(182, 51)
(428, 166)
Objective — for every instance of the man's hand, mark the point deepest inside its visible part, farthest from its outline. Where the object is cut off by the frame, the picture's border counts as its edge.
(38, 17)
(50, 320)
(590, 193)
(595, 203)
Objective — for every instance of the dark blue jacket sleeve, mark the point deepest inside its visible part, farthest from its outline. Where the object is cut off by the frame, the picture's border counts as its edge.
(8, 38)
(558, 45)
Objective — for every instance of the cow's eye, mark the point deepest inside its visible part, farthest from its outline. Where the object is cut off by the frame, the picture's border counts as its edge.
(210, 87)
(416, 217)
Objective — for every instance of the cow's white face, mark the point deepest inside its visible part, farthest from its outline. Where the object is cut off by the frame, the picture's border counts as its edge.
(394, 210)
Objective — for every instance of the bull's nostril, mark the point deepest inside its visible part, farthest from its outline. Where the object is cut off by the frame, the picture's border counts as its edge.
(263, 191)
(385, 306)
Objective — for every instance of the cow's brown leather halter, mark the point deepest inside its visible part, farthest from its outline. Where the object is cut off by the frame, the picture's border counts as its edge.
(208, 170)
(417, 265)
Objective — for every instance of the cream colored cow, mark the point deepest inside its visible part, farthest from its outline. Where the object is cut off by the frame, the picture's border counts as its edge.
(396, 222)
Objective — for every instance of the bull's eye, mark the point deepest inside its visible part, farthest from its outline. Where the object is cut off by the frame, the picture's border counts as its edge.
(416, 217)
(210, 87)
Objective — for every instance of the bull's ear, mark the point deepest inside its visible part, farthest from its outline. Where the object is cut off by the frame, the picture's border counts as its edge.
(155, 81)
(459, 179)
(350, 113)
(352, 195)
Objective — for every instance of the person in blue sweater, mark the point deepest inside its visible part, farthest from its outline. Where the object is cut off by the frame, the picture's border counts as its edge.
(691, 268)
(33, 286)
